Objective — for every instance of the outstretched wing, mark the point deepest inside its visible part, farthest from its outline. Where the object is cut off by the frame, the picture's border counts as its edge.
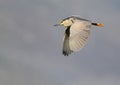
(77, 38)
(66, 47)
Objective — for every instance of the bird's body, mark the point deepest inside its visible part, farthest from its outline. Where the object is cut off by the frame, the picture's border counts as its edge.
(76, 33)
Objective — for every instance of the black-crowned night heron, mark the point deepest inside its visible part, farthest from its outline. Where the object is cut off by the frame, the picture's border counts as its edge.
(76, 33)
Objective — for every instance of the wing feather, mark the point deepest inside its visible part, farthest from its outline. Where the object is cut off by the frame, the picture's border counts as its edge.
(76, 37)
(79, 33)
(66, 47)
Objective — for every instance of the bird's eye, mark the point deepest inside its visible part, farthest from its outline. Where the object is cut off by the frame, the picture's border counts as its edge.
(72, 20)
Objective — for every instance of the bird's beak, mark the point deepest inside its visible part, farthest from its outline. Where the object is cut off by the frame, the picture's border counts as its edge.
(57, 25)
(100, 24)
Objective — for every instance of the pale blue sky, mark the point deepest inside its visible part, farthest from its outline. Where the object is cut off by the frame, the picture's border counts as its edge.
(31, 47)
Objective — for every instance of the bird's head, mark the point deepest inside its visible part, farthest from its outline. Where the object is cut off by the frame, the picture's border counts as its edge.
(66, 22)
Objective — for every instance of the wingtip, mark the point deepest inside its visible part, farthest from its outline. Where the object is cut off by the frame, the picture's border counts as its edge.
(65, 53)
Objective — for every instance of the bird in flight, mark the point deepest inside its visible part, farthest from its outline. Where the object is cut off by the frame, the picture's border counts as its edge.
(76, 33)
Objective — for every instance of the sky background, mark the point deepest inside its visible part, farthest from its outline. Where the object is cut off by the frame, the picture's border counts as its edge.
(31, 47)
